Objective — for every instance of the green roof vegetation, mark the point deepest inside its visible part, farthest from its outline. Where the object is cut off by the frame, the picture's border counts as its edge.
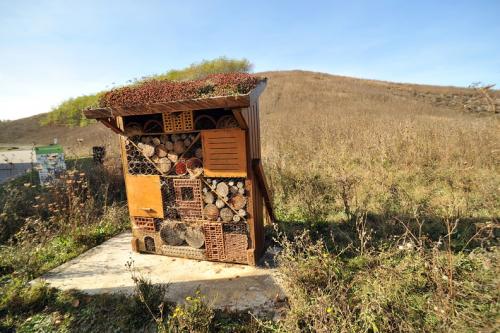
(69, 113)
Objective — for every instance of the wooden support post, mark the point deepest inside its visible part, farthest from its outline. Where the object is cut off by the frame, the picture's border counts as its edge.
(239, 118)
(261, 180)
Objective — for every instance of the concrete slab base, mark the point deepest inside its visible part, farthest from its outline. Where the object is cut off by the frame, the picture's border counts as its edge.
(228, 286)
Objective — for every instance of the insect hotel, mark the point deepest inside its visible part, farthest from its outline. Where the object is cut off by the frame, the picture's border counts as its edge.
(191, 159)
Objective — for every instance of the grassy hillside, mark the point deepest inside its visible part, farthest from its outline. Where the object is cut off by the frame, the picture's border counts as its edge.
(288, 92)
(29, 130)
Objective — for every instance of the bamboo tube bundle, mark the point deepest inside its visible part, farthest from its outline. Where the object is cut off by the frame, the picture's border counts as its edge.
(204, 122)
(227, 121)
(238, 201)
(194, 167)
(153, 126)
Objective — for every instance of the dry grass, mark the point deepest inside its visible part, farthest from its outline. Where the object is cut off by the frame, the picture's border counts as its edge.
(400, 190)
(405, 289)
(328, 141)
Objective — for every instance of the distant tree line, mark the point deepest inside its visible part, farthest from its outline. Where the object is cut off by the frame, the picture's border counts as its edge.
(69, 112)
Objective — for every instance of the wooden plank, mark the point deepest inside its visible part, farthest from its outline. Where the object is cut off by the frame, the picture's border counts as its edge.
(251, 224)
(224, 153)
(98, 113)
(257, 131)
(229, 102)
(251, 117)
(264, 189)
(144, 195)
(123, 153)
(111, 124)
(239, 118)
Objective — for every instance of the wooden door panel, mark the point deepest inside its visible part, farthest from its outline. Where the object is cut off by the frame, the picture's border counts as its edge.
(224, 153)
(144, 196)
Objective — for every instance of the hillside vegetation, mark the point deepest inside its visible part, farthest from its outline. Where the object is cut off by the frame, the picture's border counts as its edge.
(280, 95)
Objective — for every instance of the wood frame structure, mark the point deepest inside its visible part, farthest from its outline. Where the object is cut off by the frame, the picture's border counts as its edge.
(144, 196)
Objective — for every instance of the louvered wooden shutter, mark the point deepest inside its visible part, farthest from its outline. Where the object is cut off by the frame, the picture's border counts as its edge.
(224, 153)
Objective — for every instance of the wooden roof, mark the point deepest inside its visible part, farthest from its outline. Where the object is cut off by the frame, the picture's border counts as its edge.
(225, 102)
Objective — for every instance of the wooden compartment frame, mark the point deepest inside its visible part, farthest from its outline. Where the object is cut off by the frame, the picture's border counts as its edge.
(224, 241)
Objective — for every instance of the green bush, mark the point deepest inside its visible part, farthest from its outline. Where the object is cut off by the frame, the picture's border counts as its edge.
(195, 315)
(69, 112)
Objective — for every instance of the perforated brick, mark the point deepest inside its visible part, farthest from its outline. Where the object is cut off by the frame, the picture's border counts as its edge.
(235, 247)
(144, 224)
(191, 209)
(178, 121)
(214, 241)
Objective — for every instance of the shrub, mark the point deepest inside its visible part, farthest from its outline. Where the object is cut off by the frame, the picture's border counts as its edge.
(69, 112)
(406, 288)
(195, 315)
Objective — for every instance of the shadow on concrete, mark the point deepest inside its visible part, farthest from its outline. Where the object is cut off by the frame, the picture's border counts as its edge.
(228, 286)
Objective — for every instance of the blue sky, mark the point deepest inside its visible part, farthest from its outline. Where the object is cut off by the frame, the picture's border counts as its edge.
(52, 50)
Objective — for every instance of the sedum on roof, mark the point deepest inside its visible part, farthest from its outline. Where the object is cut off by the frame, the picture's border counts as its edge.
(156, 91)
